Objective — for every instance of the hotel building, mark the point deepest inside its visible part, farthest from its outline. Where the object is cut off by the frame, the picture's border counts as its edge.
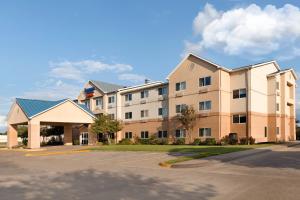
(256, 100)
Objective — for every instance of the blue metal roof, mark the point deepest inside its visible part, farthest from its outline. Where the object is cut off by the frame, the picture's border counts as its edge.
(85, 108)
(33, 107)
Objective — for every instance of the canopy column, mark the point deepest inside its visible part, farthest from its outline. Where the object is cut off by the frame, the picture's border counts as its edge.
(12, 135)
(34, 134)
(68, 140)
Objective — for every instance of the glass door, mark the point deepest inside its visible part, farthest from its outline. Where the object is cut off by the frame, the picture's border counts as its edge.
(84, 138)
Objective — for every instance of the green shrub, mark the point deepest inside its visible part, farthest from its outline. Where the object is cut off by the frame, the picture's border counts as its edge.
(244, 141)
(162, 141)
(144, 141)
(76, 142)
(210, 141)
(153, 139)
(126, 141)
(251, 140)
(179, 141)
(43, 143)
(197, 141)
(225, 140)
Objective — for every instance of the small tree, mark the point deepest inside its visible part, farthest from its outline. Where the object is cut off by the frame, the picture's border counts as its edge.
(23, 134)
(187, 118)
(105, 125)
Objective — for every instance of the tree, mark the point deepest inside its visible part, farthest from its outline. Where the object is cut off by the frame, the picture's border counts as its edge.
(105, 125)
(187, 118)
(23, 134)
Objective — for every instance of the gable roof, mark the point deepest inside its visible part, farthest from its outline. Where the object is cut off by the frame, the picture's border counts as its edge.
(207, 61)
(224, 68)
(106, 87)
(284, 71)
(33, 107)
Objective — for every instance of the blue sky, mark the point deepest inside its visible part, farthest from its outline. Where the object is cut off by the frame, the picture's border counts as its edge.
(48, 49)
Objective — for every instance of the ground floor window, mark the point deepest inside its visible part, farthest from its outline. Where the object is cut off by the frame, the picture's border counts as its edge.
(128, 135)
(239, 119)
(204, 132)
(144, 134)
(180, 133)
(162, 134)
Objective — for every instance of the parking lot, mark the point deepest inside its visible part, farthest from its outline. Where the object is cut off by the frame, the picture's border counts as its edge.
(268, 174)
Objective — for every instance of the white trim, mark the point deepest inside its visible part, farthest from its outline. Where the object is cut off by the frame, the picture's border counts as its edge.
(139, 87)
(223, 68)
(284, 71)
(190, 54)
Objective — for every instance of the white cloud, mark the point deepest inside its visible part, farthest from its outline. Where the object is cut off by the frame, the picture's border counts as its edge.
(249, 31)
(53, 91)
(78, 70)
(134, 78)
(3, 123)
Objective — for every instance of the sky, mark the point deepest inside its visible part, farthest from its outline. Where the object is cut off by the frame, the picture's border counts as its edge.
(49, 49)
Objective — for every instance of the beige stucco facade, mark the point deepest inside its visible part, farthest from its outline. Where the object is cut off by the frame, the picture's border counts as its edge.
(269, 109)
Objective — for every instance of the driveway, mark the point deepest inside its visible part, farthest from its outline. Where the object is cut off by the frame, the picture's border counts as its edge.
(260, 174)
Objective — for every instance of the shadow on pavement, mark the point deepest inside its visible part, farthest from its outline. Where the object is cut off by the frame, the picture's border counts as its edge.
(91, 184)
(253, 158)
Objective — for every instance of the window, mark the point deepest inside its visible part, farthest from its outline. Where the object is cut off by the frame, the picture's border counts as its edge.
(162, 134)
(277, 130)
(144, 135)
(99, 102)
(180, 86)
(205, 105)
(266, 131)
(239, 119)
(162, 91)
(277, 106)
(180, 133)
(204, 132)
(144, 113)
(277, 85)
(240, 93)
(160, 111)
(144, 94)
(128, 97)
(111, 116)
(87, 104)
(111, 99)
(179, 108)
(128, 135)
(204, 81)
(128, 115)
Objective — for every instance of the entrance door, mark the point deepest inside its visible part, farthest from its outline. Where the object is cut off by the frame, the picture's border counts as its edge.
(84, 138)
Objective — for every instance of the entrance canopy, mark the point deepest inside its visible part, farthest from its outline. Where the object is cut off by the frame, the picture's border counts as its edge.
(38, 112)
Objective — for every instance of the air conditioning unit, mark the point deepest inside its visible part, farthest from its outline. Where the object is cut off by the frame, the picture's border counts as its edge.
(178, 94)
(204, 114)
(203, 90)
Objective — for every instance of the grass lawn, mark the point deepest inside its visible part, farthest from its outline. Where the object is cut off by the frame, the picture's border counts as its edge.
(188, 152)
